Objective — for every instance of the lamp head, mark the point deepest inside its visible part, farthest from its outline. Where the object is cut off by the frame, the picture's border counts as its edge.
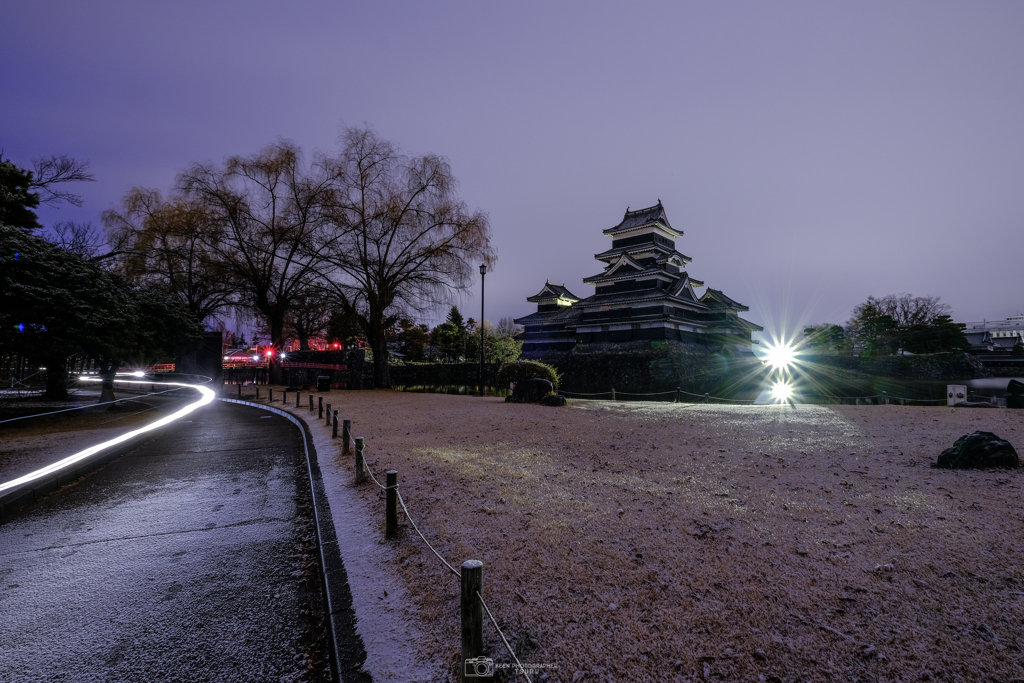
(483, 268)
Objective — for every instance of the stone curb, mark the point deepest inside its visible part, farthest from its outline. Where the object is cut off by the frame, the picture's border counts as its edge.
(346, 649)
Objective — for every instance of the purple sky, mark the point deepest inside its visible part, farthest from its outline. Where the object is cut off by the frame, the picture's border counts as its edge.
(813, 153)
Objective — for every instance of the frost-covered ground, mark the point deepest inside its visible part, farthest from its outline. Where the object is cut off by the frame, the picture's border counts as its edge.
(628, 541)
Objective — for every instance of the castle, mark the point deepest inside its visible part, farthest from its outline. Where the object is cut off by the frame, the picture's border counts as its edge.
(643, 293)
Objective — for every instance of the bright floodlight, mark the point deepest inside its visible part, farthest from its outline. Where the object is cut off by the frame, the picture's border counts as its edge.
(138, 373)
(780, 356)
(256, 357)
(782, 391)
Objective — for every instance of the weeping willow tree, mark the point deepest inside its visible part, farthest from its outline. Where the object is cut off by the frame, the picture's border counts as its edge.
(399, 236)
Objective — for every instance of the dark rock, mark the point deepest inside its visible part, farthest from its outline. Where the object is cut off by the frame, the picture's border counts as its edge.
(1015, 394)
(554, 401)
(978, 450)
(530, 391)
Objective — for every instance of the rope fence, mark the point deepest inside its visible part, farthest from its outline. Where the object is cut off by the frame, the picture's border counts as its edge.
(677, 393)
(614, 394)
(473, 605)
(392, 524)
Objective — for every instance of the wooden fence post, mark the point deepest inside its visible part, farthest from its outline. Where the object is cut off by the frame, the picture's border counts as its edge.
(613, 393)
(472, 609)
(346, 434)
(334, 434)
(391, 505)
(360, 462)
(678, 394)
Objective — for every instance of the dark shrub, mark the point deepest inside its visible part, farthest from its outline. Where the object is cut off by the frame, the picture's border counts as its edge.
(510, 373)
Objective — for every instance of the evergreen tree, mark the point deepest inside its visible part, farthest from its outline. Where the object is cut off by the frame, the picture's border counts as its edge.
(17, 201)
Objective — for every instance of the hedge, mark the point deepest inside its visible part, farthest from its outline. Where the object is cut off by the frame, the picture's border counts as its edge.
(509, 373)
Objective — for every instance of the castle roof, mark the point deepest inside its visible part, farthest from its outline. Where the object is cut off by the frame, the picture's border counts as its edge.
(652, 215)
(716, 299)
(552, 292)
(666, 252)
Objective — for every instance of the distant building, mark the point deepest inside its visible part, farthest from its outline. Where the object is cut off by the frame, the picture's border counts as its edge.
(642, 293)
(999, 329)
(980, 341)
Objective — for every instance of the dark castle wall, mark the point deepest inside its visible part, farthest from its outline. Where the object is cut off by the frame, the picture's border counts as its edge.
(656, 366)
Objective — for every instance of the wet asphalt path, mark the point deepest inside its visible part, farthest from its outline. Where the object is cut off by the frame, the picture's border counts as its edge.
(171, 563)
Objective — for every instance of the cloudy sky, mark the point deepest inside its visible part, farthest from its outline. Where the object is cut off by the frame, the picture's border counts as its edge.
(814, 153)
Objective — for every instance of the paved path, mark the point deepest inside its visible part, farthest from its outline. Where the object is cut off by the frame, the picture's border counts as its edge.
(172, 563)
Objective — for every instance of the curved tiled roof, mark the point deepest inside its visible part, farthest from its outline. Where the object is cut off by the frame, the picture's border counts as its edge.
(641, 217)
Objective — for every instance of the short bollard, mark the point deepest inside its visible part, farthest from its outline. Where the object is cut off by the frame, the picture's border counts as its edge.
(257, 393)
(311, 403)
(334, 433)
(298, 395)
(678, 392)
(391, 504)
(360, 463)
(346, 434)
(239, 391)
(284, 398)
(271, 399)
(320, 415)
(472, 610)
(613, 393)
(707, 399)
(328, 423)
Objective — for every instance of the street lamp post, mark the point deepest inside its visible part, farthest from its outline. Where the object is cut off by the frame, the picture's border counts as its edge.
(483, 272)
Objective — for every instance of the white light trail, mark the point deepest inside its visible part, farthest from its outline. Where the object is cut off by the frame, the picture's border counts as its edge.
(206, 396)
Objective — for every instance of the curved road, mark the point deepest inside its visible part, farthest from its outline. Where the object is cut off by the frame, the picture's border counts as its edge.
(179, 561)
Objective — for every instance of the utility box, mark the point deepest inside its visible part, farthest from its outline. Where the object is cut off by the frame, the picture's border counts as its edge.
(955, 393)
(323, 383)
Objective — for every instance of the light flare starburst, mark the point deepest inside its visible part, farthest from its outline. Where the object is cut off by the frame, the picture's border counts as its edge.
(780, 356)
(782, 391)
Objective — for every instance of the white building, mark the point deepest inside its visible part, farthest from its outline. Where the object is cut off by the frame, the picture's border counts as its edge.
(1011, 327)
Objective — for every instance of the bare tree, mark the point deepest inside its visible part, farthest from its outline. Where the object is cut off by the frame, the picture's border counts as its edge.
(21, 190)
(400, 237)
(265, 211)
(54, 170)
(310, 314)
(507, 327)
(78, 238)
(167, 243)
(907, 310)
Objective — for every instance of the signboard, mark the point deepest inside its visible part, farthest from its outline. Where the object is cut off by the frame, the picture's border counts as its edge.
(955, 393)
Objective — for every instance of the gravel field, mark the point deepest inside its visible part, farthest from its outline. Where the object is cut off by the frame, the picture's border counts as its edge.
(631, 541)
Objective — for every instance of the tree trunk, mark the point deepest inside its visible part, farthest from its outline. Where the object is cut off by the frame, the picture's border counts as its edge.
(381, 369)
(277, 341)
(56, 378)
